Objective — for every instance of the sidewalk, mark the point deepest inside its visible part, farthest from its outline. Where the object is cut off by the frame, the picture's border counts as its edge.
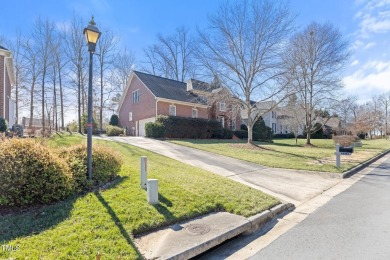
(290, 186)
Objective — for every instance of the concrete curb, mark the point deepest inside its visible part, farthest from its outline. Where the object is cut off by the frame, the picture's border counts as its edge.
(259, 220)
(354, 170)
(253, 224)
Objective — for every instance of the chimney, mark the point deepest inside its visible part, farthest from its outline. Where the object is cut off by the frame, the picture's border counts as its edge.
(189, 85)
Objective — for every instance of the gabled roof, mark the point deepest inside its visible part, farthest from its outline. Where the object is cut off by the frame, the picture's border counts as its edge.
(202, 86)
(3, 48)
(168, 88)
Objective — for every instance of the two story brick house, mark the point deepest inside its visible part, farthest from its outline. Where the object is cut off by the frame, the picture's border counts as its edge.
(147, 96)
(7, 80)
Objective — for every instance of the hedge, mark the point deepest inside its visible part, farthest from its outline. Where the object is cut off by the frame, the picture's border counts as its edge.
(113, 130)
(289, 135)
(189, 128)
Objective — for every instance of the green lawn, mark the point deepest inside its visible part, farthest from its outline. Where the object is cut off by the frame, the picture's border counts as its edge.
(284, 153)
(104, 222)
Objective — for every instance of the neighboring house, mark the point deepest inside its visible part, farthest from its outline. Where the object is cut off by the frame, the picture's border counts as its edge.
(36, 124)
(147, 96)
(7, 80)
(330, 125)
(268, 111)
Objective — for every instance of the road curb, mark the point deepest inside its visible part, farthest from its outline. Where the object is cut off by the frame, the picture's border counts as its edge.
(354, 170)
(259, 220)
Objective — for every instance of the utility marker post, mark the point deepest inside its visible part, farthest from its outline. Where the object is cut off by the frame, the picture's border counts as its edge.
(338, 155)
(144, 171)
(152, 191)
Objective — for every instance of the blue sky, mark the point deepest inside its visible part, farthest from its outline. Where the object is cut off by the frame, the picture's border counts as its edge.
(366, 24)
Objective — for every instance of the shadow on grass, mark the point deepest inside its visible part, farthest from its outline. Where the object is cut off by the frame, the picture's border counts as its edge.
(28, 221)
(118, 223)
(162, 208)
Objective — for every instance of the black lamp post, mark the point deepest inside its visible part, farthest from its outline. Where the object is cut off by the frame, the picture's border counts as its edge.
(92, 35)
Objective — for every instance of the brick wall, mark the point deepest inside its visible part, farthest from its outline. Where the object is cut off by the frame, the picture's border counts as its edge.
(1, 85)
(145, 108)
(181, 110)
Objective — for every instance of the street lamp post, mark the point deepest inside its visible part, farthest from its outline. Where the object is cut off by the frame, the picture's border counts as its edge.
(92, 35)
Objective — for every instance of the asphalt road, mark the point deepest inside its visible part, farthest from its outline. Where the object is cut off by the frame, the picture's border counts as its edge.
(353, 225)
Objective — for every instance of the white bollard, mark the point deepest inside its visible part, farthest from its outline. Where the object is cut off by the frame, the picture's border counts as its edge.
(144, 171)
(152, 191)
(338, 155)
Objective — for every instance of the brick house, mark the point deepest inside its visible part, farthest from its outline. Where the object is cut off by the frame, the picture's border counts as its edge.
(147, 96)
(7, 80)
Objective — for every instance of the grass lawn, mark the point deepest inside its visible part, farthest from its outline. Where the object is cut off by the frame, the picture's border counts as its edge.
(105, 221)
(284, 153)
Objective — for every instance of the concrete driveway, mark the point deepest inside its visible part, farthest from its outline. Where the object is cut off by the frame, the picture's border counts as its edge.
(292, 186)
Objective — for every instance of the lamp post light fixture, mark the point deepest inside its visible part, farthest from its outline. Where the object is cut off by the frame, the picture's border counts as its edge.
(92, 35)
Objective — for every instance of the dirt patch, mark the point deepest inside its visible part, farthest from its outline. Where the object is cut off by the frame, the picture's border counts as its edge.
(350, 159)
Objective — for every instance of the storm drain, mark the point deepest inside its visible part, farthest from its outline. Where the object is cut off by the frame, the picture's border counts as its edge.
(197, 229)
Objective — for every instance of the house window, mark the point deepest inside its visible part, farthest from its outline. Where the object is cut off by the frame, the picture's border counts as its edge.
(222, 106)
(136, 96)
(233, 124)
(281, 129)
(274, 128)
(194, 113)
(130, 116)
(221, 119)
(172, 110)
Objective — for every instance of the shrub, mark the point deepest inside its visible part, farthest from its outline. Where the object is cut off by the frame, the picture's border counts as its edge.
(243, 127)
(242, 134)
(227, 133)
(73, 126)
(114, 120)
(345, 140)
(261, 132)
(154, 130)
(113, 130)
(84, 120)
(31, 174)
(3, 125)
(289, 135)
(106, 165)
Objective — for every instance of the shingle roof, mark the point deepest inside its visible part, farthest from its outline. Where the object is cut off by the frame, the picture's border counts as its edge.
(1, 47)
(202, 86)
(168, 88)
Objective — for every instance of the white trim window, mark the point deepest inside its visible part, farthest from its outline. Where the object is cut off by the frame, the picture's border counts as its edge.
(221, 119)
(222, 106)
(172, 110)
(130, 116)
(136, 96)
(194, 113)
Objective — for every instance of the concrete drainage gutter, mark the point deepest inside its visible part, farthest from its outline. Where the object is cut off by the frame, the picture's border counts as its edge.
(259, 220)
(364, 164)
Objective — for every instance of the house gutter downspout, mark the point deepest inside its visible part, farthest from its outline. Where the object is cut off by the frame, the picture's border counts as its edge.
(156, 107)
(4, 88)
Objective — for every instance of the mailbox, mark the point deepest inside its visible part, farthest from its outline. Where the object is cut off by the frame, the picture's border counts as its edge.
(346, 150)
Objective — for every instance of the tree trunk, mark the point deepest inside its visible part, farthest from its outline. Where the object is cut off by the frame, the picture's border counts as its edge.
(43, 100)
(61, 100)
(79, 99)
(31, 104)
(250, 134)
(55, 121)
(308, 138)
(101, 98)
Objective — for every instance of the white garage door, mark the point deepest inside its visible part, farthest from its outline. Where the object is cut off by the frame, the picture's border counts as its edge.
(142, 124)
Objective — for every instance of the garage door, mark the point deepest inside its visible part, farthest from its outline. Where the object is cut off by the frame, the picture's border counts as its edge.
(142, 124)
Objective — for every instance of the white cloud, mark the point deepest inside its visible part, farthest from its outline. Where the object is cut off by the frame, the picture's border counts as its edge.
(370, 79)
(354, 63)
(374, 17)
(369, 45)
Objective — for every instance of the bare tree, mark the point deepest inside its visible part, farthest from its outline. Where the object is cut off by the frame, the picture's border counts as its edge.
(33, 72)
(171, 56)
(75, 50)
(243, 46)
(385, 101)
(315, 57)
(20, 69)
(345, 108)
(43, 35)
(120, 74)
(105, 53)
